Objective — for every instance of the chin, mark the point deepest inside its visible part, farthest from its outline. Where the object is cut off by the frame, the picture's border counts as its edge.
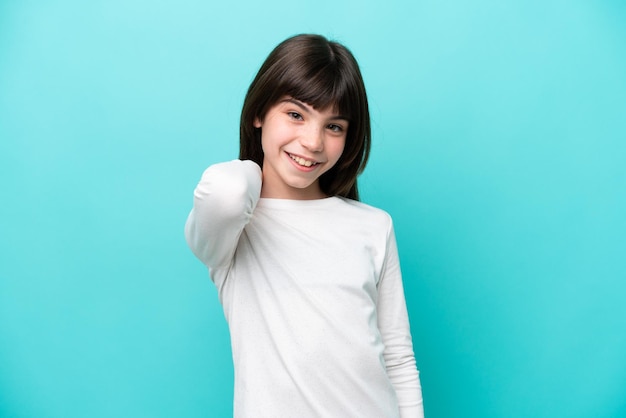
(300, 186)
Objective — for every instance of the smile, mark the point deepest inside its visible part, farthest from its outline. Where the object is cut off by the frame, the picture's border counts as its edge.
(302, 161)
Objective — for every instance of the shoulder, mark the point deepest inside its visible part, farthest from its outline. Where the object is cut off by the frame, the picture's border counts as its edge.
(365, 212)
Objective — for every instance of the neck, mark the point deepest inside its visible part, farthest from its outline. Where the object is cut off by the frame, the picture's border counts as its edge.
(310, 193)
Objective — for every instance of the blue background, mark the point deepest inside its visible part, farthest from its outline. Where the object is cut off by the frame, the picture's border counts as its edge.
(499, 149)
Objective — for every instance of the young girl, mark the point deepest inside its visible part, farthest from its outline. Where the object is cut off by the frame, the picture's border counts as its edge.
(308, 276)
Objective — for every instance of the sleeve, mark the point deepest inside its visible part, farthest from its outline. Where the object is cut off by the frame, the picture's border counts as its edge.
(223, 204)
(393, 322)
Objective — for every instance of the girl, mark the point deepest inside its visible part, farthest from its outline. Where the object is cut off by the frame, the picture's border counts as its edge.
(308, 276)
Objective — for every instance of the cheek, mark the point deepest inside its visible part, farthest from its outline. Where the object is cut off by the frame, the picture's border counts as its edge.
(274, 137)
(268, 141)
(337, 149)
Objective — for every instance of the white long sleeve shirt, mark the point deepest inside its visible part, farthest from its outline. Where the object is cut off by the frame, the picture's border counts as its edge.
(313, 296)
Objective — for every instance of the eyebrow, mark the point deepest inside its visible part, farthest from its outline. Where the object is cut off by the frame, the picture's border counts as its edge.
(306, 109)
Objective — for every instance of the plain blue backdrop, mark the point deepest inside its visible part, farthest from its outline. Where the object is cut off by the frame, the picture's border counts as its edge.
(499, 149)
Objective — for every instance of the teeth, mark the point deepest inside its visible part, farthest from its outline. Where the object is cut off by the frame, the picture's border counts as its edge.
(302, 161)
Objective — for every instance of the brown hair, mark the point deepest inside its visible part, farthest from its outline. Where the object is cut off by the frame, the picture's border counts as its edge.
(324, 74)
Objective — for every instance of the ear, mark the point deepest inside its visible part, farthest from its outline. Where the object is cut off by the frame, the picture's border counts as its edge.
(257, 123)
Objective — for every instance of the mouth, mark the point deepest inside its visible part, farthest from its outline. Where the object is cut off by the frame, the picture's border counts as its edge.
(303, 161)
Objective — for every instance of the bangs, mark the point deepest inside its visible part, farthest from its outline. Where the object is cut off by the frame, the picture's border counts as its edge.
(321, 86)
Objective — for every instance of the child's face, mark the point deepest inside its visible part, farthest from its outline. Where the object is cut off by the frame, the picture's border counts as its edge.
(299, 144)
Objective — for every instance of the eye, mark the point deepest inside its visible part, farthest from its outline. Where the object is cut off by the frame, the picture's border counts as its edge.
(295, 115)
(335, 128)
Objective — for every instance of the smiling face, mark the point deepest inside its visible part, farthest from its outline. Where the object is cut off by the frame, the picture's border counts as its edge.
(299, 144)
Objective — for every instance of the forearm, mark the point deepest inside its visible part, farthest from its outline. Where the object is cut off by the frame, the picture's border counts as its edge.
(224, 200)
(406, 382)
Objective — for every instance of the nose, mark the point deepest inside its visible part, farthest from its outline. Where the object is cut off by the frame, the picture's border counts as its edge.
(313, 139)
